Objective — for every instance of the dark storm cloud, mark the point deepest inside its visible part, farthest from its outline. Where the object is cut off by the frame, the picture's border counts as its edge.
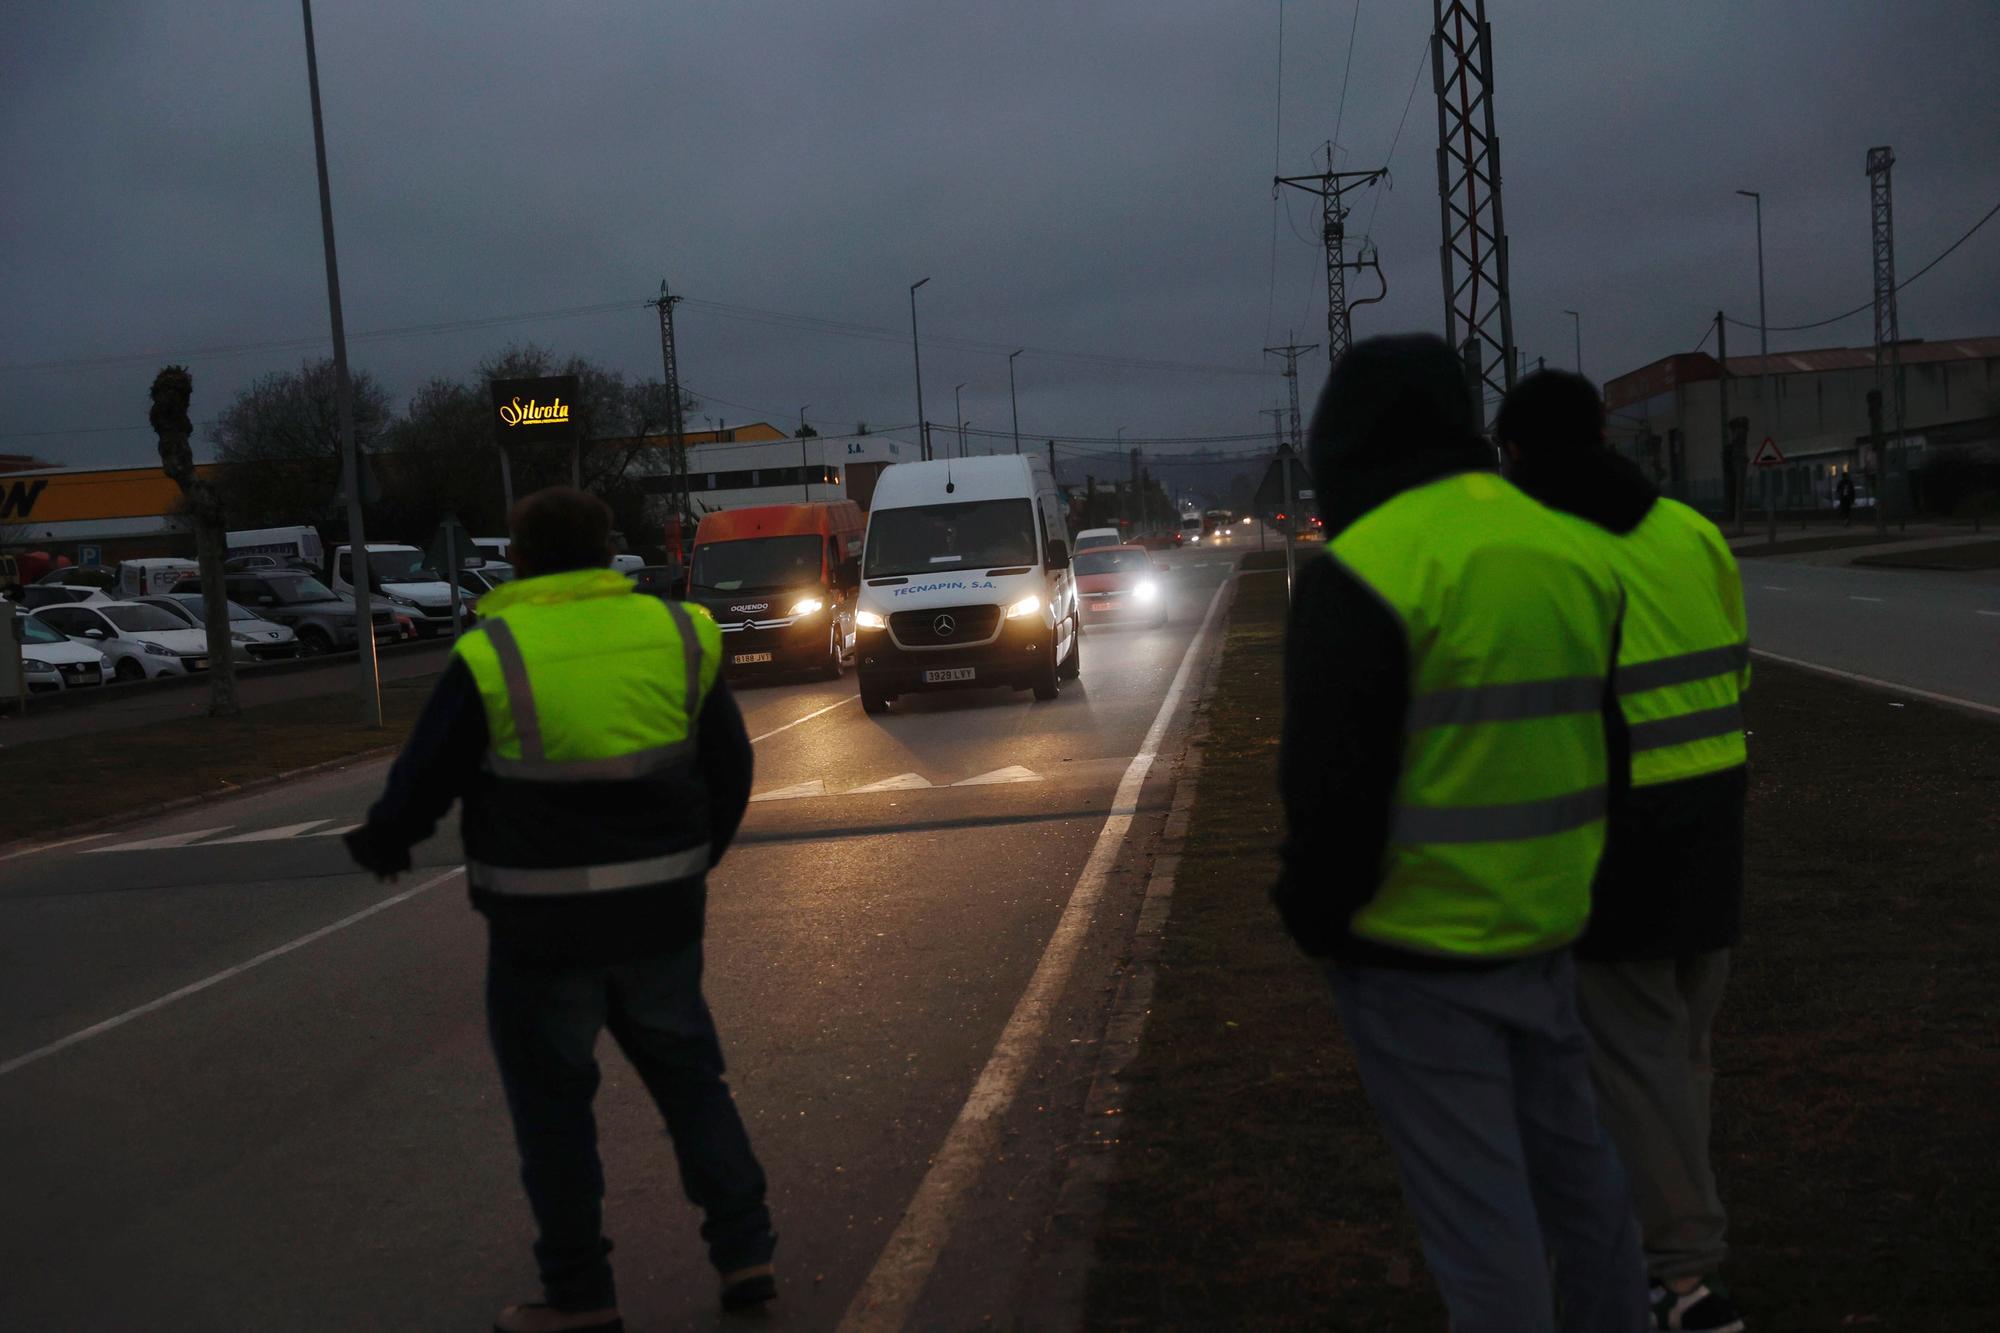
(1093, 177)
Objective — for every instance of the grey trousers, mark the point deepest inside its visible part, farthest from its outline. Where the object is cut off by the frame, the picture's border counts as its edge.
(1649, 1024)
(1481, 1081)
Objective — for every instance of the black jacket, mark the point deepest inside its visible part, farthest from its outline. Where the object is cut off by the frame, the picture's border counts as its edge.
(522, 823)
(1671, 881)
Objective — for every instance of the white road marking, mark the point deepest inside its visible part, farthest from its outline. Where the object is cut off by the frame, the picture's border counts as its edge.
(1854, 597)
(890, 1293)
(333, 832)
(807, 718)
(151, 844)
(1011, 773)
(52, 846)
(268, 835)
(1772, 587)
(817, 787)
(193, 988)
(1879, 683)
(1981, 613)
(901, 782)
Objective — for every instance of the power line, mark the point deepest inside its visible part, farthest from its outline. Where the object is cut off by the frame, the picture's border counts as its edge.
(1341, 111)
(1422, 53)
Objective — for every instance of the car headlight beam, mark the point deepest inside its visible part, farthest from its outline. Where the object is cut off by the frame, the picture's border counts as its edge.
(1147, 591)
(1027, 606)
(806, 606)
(870, 620)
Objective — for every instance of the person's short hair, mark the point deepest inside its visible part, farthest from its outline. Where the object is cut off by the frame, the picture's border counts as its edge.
(1392, 395)
(1552, 412)
(560, 528)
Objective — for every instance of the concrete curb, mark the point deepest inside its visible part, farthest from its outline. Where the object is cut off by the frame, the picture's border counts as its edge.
(1057, 1289)
(86, 698)
(23, 846)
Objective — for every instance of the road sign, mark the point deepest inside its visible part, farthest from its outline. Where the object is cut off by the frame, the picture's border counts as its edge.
(1768, 454)
(90, 555)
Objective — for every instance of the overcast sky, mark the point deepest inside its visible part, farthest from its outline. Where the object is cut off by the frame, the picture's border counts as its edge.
(1076, 177)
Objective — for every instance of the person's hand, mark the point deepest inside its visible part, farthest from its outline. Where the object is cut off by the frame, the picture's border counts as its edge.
(377, 855)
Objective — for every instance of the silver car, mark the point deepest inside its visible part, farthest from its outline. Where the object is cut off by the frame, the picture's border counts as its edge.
(252, 638)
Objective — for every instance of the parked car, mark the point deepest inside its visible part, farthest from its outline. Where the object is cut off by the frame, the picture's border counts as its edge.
(57, 594)
(52, 661)
(664, 581)
(1090, 537)
(140, 642)
(101, 577)
(254, 639)
(237, 564)
(146, 578)
(399, 575)
(322, 620)
(1118, 583)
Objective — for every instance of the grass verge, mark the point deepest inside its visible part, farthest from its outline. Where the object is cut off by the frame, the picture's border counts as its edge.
(49, 786)
(1966, 555)
(1856, 1051)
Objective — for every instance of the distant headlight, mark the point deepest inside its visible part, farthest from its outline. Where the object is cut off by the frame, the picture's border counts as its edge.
(806, 606)
(35, 664)
(1147, 591)
(870, 620)
(1027, 606)
(157, 651)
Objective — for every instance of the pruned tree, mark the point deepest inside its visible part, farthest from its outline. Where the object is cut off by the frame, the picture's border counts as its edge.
(173, 390)
(279, 443)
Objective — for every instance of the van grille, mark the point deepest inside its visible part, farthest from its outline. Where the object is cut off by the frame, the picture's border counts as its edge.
(921, 629)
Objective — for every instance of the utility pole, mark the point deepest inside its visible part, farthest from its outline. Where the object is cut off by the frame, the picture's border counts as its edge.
(1132, 486)
(677, 462)
(1011, 399)
(1052, 459)
(1473, 254)
(917, 354)
(1732, 466)
(1888, 355)
(958, 416)
(369, 684)
(805, 485)
(1277, 415)
(1328, 185)
(1576, 324)
(1291, 353)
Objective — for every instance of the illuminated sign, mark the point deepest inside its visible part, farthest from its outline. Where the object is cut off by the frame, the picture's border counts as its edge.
(535, 411)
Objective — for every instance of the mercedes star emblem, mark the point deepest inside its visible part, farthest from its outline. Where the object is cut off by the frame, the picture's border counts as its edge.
(944, 627)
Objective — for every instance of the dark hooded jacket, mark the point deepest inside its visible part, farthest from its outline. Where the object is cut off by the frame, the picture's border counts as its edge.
(1671, 881)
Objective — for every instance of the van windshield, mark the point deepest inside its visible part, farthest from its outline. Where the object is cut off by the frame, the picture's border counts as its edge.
(931, 539)
(396, 567)
(757, 564)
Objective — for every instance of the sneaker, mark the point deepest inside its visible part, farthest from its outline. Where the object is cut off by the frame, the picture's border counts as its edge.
(539, 1318)
(746, 1288)
(1706, 1308)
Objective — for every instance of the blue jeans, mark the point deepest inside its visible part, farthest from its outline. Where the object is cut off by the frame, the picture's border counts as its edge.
(544, 1019)
(1481, 1080)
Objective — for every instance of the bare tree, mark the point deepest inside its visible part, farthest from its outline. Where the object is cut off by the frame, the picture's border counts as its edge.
(279, 442)
(173, 389)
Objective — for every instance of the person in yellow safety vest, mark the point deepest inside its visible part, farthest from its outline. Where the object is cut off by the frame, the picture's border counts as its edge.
(1668, 901)
(604, 769)
(1444, 770)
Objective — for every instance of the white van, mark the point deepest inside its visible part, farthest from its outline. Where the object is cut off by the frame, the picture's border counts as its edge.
(401, 576)
(298, 542)
(965, 581)
(148, 578)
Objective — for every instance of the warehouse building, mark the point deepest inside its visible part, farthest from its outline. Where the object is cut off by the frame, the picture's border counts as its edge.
(95, 515)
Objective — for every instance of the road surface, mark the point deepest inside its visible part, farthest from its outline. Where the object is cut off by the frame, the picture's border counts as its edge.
(1926, 630)
(312, 1137)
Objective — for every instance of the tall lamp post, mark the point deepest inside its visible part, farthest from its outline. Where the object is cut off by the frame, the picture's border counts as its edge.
(1764, 404)
(917, 354)
(958, 415)
(1577, 321)
(1011, 399)
(369, 684)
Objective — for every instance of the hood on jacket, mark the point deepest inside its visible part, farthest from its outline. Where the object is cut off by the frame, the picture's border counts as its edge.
(1603, 487)
(1396, 414)
(1554, 421)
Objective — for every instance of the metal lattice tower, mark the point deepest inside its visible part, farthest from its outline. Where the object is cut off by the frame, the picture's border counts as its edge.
(1291, 353)
(1474, 250)
(1328, 185)
(1888, 355)
(677, 468)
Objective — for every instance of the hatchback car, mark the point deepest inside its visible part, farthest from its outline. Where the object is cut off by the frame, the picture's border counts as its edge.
(1118, 583)
(140, 642)
(52, 661)
(252, 638)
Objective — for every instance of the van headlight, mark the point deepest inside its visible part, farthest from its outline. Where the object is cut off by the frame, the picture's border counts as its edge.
(1027, 606)
(870, 620)
(806, 606)
(1147, 591)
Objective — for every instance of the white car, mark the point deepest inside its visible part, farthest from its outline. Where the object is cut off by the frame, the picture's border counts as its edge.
(53, 662)
(252, 638)
(1090, 537)
(140, 642)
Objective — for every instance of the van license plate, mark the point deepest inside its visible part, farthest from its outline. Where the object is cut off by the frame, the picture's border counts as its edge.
(1100, 606)
(747, 659)
(949, 674)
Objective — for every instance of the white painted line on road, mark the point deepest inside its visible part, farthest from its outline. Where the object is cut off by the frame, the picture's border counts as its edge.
(1011, 773)
(901, 782)
(817, 787)
(1772, 587)
(807, 718)
(151, 844)
(277, 834)
(1987, 613)
(335, 831)
(1855, 597)
(1879, 683)
(194, 988)
(52, 846)
(890, 1293)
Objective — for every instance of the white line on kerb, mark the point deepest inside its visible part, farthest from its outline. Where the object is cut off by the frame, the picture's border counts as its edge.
(890, 1293)
(120, 1020)
(1879, 683)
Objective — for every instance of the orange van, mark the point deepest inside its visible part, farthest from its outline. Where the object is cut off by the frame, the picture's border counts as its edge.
(780, 580)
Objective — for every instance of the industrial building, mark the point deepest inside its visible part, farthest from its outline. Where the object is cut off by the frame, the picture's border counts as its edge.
(1813, 405)
(759, 465)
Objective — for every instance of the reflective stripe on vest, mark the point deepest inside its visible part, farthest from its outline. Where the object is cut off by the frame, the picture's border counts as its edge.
(1508, 617)
(589, 879)
(1683, 657)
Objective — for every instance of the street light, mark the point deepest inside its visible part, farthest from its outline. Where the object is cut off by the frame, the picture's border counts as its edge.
(1015, 402)
(1577, 320)
(1765, 405)
(916, 354)
(803, 481)
(958, 415)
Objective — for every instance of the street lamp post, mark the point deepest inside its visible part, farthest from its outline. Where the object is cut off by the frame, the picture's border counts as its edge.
(958, 415)
(803, 480)
(1011, 399)
(1764, 403)
(1577, 321)
(916, 354)
(370, 685)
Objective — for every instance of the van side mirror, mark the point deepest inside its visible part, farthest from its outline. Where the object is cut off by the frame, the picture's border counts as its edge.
(1057, 554)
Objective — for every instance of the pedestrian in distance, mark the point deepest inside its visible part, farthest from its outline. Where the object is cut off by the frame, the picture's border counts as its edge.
(1668, 901)
(603, 769)
(1844, 492)
(1443, 770)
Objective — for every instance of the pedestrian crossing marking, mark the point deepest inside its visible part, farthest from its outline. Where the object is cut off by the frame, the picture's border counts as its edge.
(268, 835)
(901, 782)
(1011, 773)
(151, 844)
(333, 832)
(817, 787)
